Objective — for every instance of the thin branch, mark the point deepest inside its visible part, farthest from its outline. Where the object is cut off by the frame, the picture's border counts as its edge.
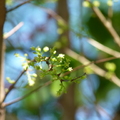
(16, 28)
(110, 13)
(105, 59)
(18, 6)
(20, 98)
(34, 90)
(73, 79)
(94, 67)
(49, 82)
(100, 109)
(53, 14)
(13, 85)
(103, 48)
(107, 24)
(92, 62)
(93, 42)
(78, 77)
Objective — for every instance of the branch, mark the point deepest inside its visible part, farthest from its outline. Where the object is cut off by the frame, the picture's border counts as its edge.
(53, 14)
(94, 67)
(85, 65)
(103, 48)
(99, 108)
(16, 28)
(18, 6)
(73, 79)
(20, 98)
(110, 13)
(78, 77)
(13, 85)
(49, 82)
(106, 23)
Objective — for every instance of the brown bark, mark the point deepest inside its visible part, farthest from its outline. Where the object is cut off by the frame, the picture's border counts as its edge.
(62, 11)
(117, 115)
(67, 100)
(2, 19)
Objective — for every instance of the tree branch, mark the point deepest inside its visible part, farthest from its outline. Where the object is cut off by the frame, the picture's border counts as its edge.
(13, 85)
(94, 67)
(18, 6)
(106, 23)
(92, 62)
(20, 98)
(17, 27)
(78, 77)
(103, 48)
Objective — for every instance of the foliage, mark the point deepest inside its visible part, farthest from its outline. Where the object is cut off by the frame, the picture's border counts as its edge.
(49, 63)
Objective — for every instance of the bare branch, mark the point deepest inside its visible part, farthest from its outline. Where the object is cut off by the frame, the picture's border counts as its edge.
(110, 13)
(107, 24)
(99, 108)
(13, 85)
(53, 14)
(16, 28)
(18, 6)
(94, 67)
(103, 48)
(92, 62)
(34, 90)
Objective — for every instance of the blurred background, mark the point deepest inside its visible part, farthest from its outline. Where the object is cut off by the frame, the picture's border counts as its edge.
(67, 25)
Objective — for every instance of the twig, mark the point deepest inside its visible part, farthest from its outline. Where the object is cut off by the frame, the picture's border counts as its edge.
(106, 23)
(94, 67)
(74, 78)
(110, 13)
(78, 77)
(53, 14)
(49, 82)
(34, 90)
(18, 6)
(92, 62)
(20, 98)
(100, 109)
(12, 86)
(16, 28)
(103, 48)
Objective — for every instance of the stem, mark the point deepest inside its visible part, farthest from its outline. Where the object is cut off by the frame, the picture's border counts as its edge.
(107, 24)
(34, 90)
(99, 71)
(13, 85)
(18, 6)
(11, 32)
